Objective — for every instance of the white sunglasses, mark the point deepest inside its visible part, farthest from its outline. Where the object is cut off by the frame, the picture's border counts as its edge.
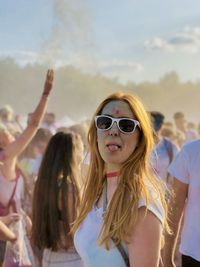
(125, 125)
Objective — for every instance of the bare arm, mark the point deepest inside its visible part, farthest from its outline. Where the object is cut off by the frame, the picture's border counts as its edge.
(5, 233)
(176, 207)
(144, 249)
(15, 148)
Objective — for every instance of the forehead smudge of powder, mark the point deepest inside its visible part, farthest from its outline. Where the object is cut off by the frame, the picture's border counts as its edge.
(116, 111)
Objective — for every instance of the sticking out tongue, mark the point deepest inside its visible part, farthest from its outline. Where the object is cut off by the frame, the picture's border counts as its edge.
(113, 148)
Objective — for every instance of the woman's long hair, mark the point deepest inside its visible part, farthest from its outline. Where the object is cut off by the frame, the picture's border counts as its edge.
(135, 174)
(57, 177)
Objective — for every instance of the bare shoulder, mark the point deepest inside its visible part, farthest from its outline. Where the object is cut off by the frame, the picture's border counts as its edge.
(146, 222)
(145, 239)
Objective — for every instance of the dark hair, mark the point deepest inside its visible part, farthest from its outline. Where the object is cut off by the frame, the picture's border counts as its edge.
(56, 181)
(157, 119)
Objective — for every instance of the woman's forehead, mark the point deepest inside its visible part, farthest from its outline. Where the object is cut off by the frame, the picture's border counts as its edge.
(117, 108)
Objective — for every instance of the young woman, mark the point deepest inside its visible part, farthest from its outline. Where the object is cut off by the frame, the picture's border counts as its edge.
(11, 180)
(55, 200)
(123, 210)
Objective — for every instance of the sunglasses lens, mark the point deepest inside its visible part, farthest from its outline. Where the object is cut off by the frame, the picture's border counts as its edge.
(126, 126)
(103, 123)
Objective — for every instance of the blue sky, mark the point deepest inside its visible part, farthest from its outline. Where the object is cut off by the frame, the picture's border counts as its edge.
(129, 40)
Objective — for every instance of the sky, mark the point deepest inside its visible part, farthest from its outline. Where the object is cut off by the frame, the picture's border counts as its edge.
(129, 40)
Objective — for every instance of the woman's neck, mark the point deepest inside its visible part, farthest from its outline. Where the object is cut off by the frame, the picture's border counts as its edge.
(112, 178)
(112, 174)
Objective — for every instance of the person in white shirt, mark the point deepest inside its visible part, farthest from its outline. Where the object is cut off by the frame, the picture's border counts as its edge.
(186, 172)
(164, 151)
(123, 209)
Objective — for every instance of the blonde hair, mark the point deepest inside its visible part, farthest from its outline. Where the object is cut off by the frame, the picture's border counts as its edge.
(134, 174)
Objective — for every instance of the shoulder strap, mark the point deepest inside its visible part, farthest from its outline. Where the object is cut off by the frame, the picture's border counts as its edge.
(118, 246)
(14, 189)
(123, 253)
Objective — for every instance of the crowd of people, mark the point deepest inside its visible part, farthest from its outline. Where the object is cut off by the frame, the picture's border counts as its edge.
(121, 189)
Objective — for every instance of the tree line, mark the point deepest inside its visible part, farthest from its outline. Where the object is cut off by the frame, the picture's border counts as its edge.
(77, 94)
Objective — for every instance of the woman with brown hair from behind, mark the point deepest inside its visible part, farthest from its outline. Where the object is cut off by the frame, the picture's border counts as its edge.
(55, 201)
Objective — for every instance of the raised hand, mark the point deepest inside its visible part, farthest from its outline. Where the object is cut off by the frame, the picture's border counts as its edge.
(48, 82)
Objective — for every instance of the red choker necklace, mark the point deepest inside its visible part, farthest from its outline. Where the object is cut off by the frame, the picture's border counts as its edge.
(112, 174)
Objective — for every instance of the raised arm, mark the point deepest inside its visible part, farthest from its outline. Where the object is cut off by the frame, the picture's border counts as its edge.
(13, 149)
(144, 248)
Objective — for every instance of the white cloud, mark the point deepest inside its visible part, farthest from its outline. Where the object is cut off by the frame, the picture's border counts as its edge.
(187, 41)
(122, 70)
(115, 66)
(30, 57)
(158, 44)
(22, 57)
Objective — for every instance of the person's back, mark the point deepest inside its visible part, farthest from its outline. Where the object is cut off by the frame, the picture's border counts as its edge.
(55, 201)
(186, 172)
(164, 151)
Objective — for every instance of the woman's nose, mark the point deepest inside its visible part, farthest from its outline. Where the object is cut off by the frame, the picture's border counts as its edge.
(114, 130)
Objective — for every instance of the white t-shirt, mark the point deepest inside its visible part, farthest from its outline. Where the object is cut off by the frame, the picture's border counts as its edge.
(186, 168)
(160, 159)
(190, 136)
(85, 239)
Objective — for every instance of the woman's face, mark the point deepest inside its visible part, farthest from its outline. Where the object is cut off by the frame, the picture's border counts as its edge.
(114, 146)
